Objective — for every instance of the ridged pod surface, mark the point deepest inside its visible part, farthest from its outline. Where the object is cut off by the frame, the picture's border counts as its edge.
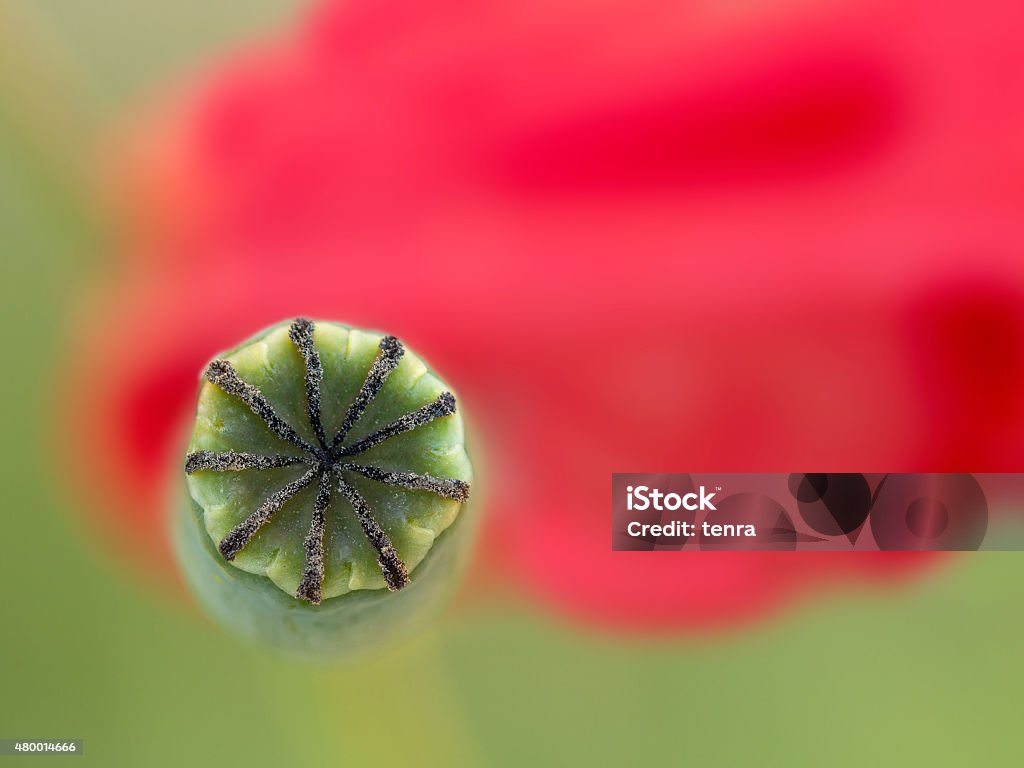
(327, 476)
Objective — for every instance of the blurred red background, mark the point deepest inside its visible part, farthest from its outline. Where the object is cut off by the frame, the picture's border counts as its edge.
(646, 236)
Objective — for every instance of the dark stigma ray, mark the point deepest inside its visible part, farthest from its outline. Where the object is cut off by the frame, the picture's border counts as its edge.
(242, 533)
(311, 587)
(301, 334)
(222, 374)
(388, 356)
(444, 405)
(230, 461)
(450, 489)
(396, 575)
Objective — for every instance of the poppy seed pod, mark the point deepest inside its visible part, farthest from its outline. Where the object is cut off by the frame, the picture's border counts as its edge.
(326, 475)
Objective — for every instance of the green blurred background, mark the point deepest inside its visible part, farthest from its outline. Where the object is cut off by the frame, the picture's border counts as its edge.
(929, 674)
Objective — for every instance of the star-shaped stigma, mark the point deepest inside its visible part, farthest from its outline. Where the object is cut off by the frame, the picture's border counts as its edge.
(327, 460)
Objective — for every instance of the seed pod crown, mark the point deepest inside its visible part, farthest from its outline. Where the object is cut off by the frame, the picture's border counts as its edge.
(327, 470)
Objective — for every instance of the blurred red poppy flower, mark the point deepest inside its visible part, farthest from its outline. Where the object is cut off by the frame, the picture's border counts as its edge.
(644, 236)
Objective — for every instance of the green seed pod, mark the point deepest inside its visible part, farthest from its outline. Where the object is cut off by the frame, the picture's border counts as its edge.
(327, 472)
